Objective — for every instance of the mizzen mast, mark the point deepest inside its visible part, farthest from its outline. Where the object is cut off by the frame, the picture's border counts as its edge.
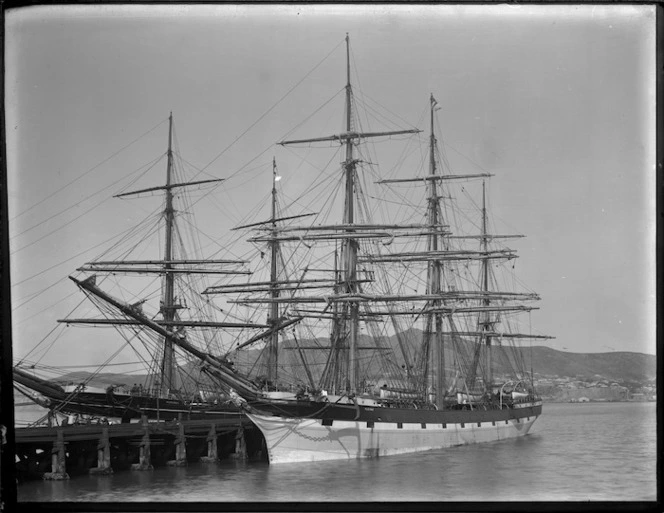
(486, 324)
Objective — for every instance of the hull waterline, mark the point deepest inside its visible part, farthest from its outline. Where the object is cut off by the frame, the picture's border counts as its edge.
(291, 440)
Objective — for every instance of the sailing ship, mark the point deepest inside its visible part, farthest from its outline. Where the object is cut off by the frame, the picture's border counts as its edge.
(170, 390)
(364, 381)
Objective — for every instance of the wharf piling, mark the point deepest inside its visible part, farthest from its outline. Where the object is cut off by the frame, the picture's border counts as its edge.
(103, 449)
(212, 450)
(240, 445)
(144, 448)
(58, 459)
(180, 447)
(103, 455)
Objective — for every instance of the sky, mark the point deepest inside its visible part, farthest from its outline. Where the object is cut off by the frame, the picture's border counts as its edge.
(556, 101)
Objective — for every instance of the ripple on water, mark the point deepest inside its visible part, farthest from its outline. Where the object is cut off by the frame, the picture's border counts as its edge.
(575, 452)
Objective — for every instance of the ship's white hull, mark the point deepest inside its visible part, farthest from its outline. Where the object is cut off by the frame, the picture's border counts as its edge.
(291, 440)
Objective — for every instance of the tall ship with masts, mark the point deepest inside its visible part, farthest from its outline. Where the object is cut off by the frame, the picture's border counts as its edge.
(390, 328)
(171, 389)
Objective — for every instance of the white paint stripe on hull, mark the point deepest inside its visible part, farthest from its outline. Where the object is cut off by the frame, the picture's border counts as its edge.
(290, 440)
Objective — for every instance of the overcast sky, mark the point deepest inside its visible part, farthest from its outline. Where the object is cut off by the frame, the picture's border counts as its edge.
(557, 101)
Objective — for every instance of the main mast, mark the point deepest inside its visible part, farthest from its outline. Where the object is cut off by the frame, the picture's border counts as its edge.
(168, 306)
(273, 320)
(349, 246)
(434, 320)
(346, 326)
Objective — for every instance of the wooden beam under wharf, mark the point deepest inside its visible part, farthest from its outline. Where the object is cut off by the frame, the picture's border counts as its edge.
(81, 432)
(103, 449)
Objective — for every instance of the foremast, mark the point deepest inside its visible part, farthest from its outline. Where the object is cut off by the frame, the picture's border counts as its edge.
(169, 267)
(275, 287)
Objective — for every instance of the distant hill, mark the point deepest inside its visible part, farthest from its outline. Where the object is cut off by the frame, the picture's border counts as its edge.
(616, 365)
(106, 378)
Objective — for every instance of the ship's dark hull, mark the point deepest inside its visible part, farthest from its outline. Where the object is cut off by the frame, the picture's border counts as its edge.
(121, 406)
(133, 407)
(314, 409)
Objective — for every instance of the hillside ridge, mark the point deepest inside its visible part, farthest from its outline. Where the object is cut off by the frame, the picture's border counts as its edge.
(545, 362)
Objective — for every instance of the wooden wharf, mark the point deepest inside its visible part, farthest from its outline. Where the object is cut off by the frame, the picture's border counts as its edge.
(60, 451)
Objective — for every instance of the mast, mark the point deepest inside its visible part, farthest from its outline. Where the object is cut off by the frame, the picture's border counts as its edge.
(273, 319)
(346, 325)
(335, 335)
(434, 273)
(168, 306)
(349, 246)
(486, 325)
(216, 367)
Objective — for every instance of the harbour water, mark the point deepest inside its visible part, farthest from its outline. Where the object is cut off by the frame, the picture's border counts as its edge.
(575, 452)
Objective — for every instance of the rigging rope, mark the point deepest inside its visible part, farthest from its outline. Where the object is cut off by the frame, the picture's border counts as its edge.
(260, 118)
(89, 171)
